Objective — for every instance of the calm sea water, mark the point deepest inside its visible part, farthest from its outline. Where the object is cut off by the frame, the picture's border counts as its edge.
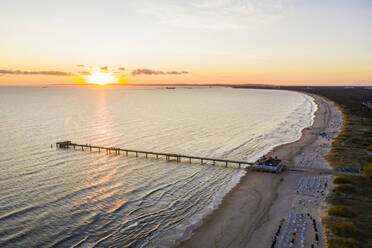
(66, 198)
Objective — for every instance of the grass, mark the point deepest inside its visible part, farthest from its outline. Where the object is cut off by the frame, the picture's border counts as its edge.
(345, 188)
(367, 172)
(369, 148)
(341, 211)
(341, 180)
(344, 229)
(342, 243)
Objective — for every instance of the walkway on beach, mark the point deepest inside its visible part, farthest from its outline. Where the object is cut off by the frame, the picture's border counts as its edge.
(322, 171)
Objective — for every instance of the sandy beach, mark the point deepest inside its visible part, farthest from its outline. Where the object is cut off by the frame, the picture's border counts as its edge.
(286, 208)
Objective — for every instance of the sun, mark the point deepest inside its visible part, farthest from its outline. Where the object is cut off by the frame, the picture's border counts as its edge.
(102, 78)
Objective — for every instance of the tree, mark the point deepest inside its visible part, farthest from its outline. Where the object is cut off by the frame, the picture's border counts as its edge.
(367, 172)
(369, 148)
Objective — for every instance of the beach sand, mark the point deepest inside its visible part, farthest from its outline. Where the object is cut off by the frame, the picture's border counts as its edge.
(249, 215)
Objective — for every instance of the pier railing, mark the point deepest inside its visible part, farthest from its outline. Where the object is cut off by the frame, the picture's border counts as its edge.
(192, 159)
(157, 155)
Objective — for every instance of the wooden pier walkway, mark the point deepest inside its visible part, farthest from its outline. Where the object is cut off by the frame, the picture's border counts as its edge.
(193, 159)
(157, 155)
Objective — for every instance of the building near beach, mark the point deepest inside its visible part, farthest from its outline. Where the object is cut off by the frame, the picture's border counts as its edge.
(269, 164)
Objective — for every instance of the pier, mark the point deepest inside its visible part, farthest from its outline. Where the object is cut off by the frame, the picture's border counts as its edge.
(194, 159)
(156, 155)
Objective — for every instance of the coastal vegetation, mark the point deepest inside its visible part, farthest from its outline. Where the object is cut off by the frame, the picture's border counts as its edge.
(341, 180)
(367, 172)
(344, 229)
(341, 211)
(342, 243)
(349, 220)
(370, 148)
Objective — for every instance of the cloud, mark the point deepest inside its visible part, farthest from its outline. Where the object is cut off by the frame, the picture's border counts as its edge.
(121, 69)
(51, 73)
(174, 72)
(104, 68)
(153, 72)
(85, 73)
(80, 66)
(177, 72)
(146, 72)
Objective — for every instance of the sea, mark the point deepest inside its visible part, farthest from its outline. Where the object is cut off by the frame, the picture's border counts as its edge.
(71, 198)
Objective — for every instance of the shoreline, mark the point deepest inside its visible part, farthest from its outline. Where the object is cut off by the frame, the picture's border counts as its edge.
(249, 214)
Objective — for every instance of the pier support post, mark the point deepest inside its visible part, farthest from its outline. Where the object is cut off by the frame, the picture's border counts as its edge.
(157, 156)
(74, 147)
(146, 154)
(226, 164)
(214, 162)
(126, 153)
(99, 150)
(201, 161)
(189, 160)
(136, 154)
(90, 148)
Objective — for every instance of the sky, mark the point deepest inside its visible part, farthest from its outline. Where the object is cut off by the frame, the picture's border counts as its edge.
(286, 42)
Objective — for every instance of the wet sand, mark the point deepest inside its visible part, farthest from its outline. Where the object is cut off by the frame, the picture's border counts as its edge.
(249, 215)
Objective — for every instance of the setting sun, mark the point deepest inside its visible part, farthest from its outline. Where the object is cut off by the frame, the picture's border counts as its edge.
(102, 78)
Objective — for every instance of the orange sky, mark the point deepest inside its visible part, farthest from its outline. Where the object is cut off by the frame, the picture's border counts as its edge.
(283, 42)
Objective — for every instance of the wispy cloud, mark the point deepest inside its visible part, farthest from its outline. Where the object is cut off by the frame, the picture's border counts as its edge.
(51, 73)
(146, 72)
(154, 72)
(177, 72)
(216, 14)
(84, 73)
